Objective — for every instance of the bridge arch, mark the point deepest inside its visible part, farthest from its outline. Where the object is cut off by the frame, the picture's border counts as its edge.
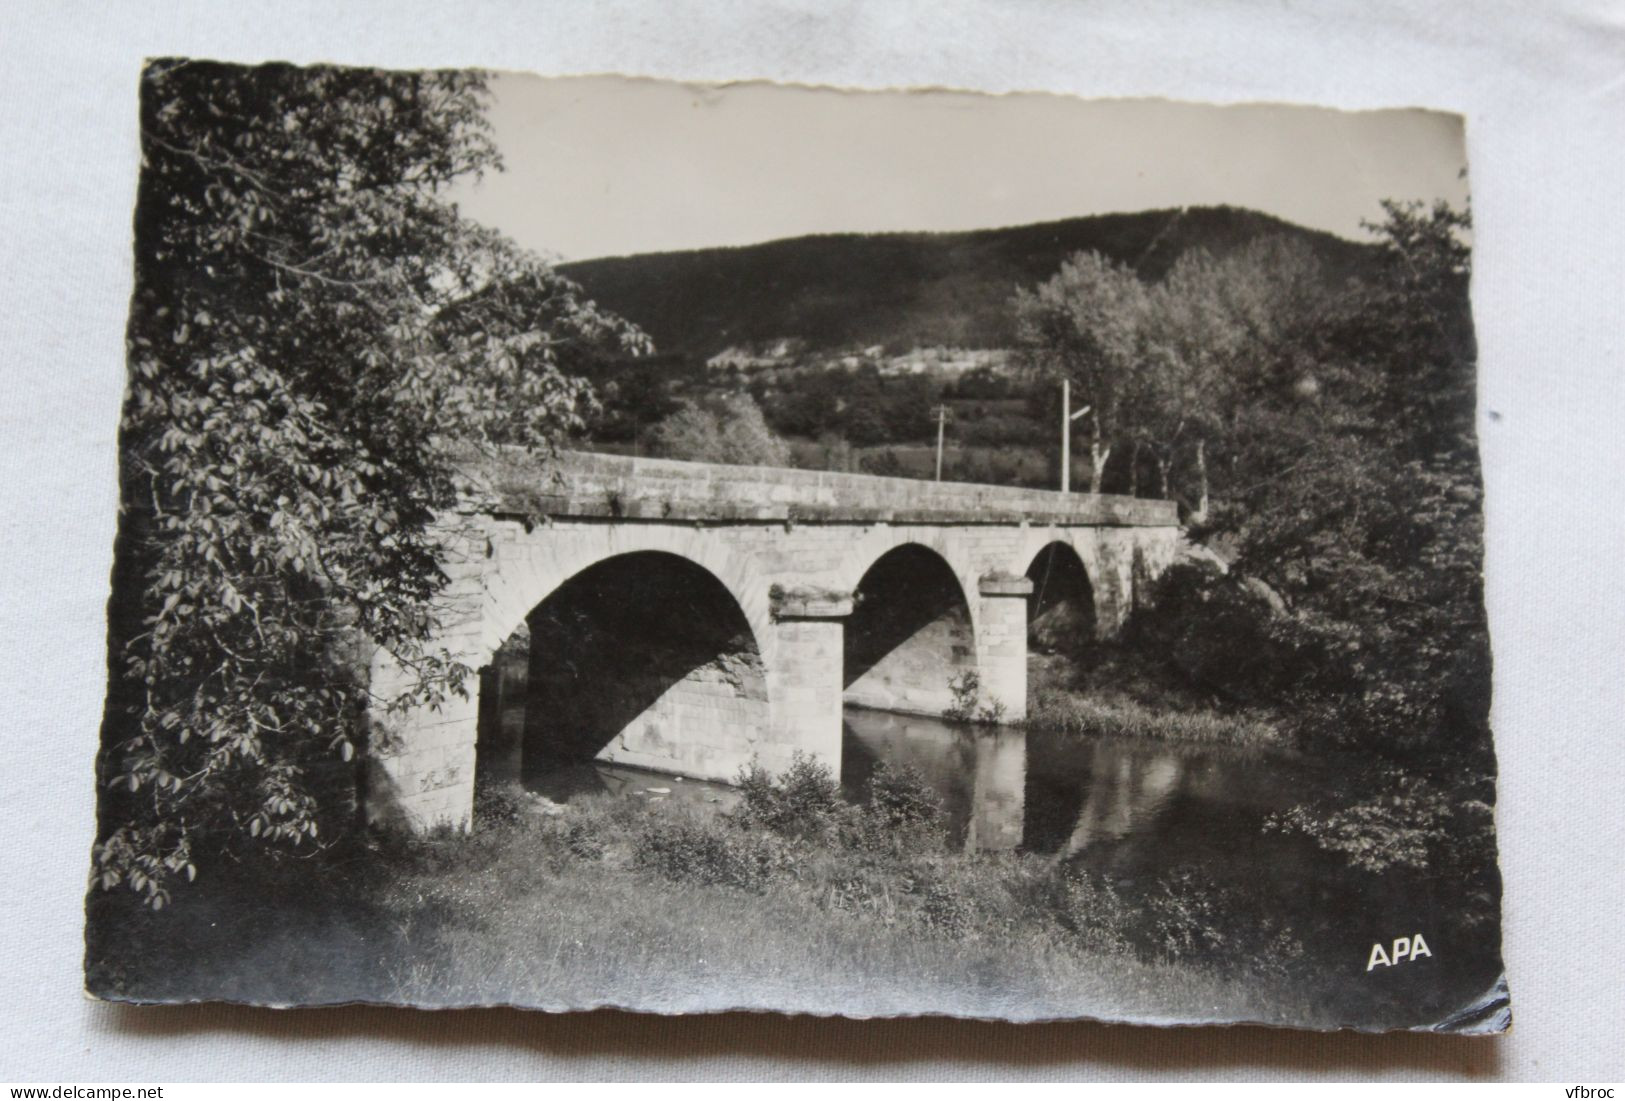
(1061, 614)
(910, 635)
(642, 658)
(523, 571)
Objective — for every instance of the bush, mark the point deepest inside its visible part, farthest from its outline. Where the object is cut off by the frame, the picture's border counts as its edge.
(1397, 820)
(496, 806)
(804, 801)
(902, 818)
(902, 798)
(886, 463)
(1181, 917)
(717, 853)
(1092, 910)
(727, 429)
(1219, 634)
(968, 705)
(946, 910)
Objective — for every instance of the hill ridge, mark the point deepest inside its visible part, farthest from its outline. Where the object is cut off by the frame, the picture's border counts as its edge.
(905, 288)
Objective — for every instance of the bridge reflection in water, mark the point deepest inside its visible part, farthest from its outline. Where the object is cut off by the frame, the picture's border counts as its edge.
(979, 773)
(1121, 805)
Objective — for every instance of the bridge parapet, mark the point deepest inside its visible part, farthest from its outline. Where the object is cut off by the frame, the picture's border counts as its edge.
(620, 487)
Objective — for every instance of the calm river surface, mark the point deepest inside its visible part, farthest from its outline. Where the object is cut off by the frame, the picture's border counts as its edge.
(1116, 804)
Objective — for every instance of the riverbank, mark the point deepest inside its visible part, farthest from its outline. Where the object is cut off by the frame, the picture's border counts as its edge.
(1110, 692)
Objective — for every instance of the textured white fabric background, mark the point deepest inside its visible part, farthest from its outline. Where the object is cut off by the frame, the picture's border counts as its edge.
(1544, 92)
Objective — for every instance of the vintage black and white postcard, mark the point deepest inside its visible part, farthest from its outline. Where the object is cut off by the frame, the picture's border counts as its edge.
(603, 542)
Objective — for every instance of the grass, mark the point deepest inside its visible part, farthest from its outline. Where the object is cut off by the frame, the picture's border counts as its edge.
(1071, 712)
(1111, 692)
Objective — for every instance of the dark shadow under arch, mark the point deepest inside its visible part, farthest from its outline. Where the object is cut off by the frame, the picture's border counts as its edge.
(1061, 609)
(909, 634)
(644, 658)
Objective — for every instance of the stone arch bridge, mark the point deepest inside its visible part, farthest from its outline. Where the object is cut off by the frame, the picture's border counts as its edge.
(689, 617)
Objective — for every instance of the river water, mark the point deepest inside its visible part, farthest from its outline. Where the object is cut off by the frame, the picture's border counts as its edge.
(1111, 802)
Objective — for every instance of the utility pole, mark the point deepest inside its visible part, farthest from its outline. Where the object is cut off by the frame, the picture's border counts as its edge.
(1066, 435)
(1067, 417)
(942, 416)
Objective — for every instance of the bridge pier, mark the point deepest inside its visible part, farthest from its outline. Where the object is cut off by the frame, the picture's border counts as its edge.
(420, 766)
(1003, 643)
(805, 680)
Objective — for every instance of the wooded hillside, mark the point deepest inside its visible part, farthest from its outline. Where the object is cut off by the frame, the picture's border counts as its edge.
(903, 290)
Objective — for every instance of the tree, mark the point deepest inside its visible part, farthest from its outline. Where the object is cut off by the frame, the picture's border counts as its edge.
(1415, 325)
(313, 335)
(1362, 507)
(730, 430)
(1221, 336)
(1084, 324)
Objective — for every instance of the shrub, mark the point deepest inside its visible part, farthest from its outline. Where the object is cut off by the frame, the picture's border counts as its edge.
(727, 429)
(717, 853)
(1219, 634)
(903, 817)
(496, 806)
(901, 797)
(944, 908)
(803, 801)
(885, 463)
(1181, 917)
(968, 705)
(1093, 911)
(1397, 820)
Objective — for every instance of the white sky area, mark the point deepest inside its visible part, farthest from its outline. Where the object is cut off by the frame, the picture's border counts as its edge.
(605, 166)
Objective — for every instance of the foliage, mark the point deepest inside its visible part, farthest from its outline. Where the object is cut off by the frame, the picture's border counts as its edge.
(1407, 825)
(1084, 324)
(1086, 715)
(902, 798)
(728, 429)
(968, 704)
(1219, 635)
(1165, 364)
(1220, 335)
(313, 328)
(805, 800)
(636, 392)
(885, 463)
(1363, 509)
(1180, 916)
(694, 851)
(903, 813)
(859, 405)
(1413, 325)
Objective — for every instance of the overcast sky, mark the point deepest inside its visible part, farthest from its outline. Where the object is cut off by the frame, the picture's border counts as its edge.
(602, 166)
